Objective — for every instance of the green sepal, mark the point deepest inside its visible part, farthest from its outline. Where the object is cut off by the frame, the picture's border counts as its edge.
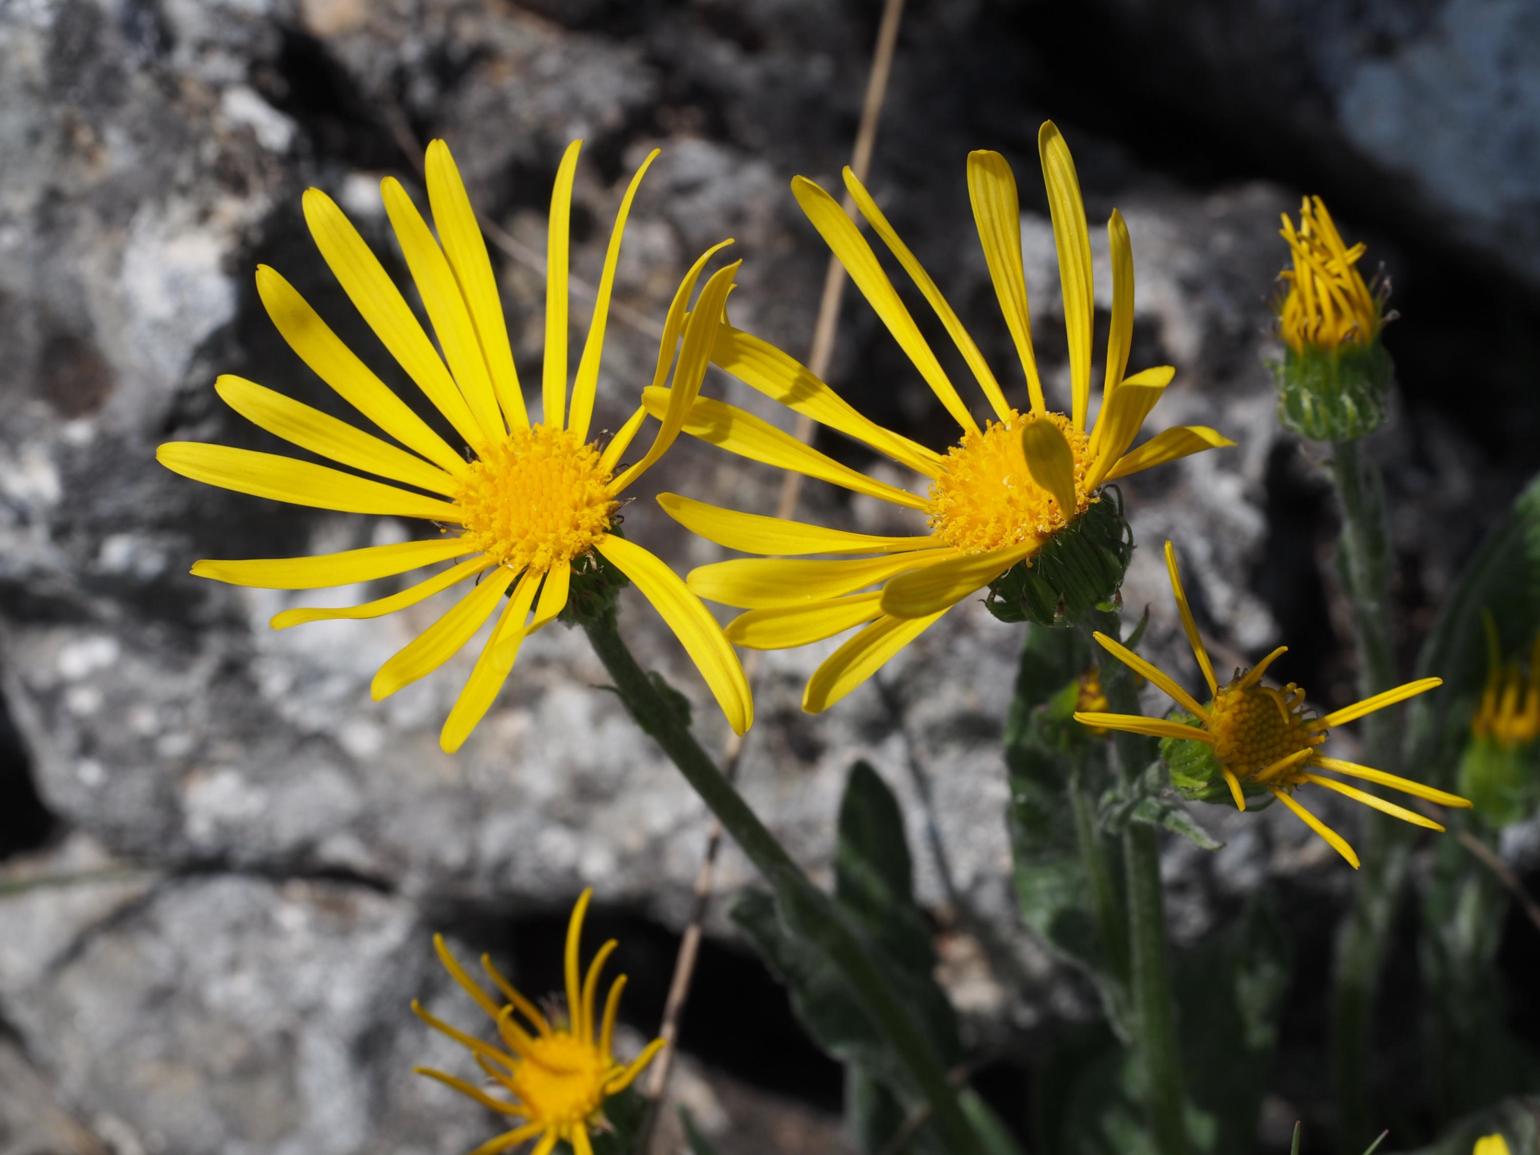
(1078, 570)
(596, 586)
(1196, 774)
(1334, 394)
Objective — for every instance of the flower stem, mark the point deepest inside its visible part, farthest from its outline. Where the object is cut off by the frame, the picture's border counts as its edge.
(811, 910)
(1364, 558)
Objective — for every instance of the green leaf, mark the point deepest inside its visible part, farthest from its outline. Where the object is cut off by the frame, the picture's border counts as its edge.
(1150, 802)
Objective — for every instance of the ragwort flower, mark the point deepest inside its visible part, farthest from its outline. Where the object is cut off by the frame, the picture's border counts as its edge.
(996, 498)
(535, 500)
(1265, 739)
(556, 1072)
(1500, 768)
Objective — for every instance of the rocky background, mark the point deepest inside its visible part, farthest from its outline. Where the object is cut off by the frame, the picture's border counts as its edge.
(220, 863)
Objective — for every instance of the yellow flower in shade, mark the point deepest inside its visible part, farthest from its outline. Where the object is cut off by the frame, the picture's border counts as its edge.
(553, 1075)
(532, 502)
(1264, 737)
(1509, 713)
(1491, 1145)
(993, 499)
(1327, 305)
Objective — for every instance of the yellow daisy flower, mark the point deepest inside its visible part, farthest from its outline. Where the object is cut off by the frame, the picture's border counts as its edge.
(1265, 737)
(993, 499)
(556, 1075)
(1328, 305)
(531, 504)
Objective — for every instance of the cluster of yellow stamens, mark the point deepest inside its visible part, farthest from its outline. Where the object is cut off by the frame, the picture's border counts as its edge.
(986, 497)
(537, 499)
(557, 1074)
(1258, 729)
(1328, 304)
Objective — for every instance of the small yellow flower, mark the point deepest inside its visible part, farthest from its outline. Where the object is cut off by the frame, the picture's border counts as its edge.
(1491, 1145)
(1267, 737)
(534, 502)
(994, 499)
(1328, 305)
(556, 1075)
(1509, 714)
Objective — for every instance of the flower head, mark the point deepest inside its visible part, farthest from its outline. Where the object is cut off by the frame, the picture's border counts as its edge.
(1261, 738)
(1025, 481)
(552, 1072)
(1500, 768)
(526, 511)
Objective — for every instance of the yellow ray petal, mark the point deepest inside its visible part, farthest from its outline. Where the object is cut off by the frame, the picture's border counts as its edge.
(332, 569)
(1152, 674)
(997, 214)
(1120, 334)
(1394, 781)
(586, 384)
(691, 623)
(1368, 799)
(446, 307)
(690, 370)
(1168, 445)
(280, 478)
(737, 431)
(444, 638)
(580, 1141)
(1121, 417)
(765, 583)
(381, 304)
(492, 668)
(553, 595)
(455, 221)
(930, 589)
(471, 1091)
(1236, 792)
(762, 366)
(546, 1145)
(332, 361)
(678, 309)
(574, 944)
(618, 444)
(636, 1067)
(1254, 675)
(515, 1137)
(1051, 462)
(1280, 766)
(586, 1025)
(1073, 241)
(1331, 837)
(784, 627)
(469, 985)
(1380, 701)
(611, 1009)
(379, 607)
(1189, 624)
(515, 999)
(470, 1042)
(321, 433)
(758, 533)
(1138, 724)
(553, 371)
(861, 657)
(933, 296)
(850, 248)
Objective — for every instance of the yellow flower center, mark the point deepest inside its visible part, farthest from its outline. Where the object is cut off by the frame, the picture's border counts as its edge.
(986, 497)
(1255, 726)
(537, 500)
(561, 1080)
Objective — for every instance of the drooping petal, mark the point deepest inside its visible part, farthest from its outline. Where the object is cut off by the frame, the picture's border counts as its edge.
(925, 591)
(553, 370)
(1371, 800)
(691, 623)
(997, 214)
(1120, 333)
(781, 377)
(1073, 241)
(1189, 624)
(390, 604)
(1254, 675)
(850, 248)
(762, 583)
(1051, 462)
(1379, 701)
(762, 534)
(321, 433)
(471, 1091)
(553, 595)
(861, 657)
(332, 569)
(586, 384)
(444, 638)
(381, 304)
(519, 1135)
(492, 667)
(466, 248)
(1121, 417)
(784, 627)
(279, 478)
(933, 296)
(1330, 836)
(1168, 445)
(1394, 781)
(446, 307)
(740, 432)
(332, 361)
(1153, 674)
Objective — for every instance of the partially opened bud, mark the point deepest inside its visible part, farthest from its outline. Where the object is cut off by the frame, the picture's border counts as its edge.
(1500, 770)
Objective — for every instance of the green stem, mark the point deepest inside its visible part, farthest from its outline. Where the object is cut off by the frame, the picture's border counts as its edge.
(812, 911)
(1153, 1016)
(1093, 860)
(1364, 935)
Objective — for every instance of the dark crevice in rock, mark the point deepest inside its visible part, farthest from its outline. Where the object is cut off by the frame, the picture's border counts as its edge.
(25, 822)
(216, 866)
